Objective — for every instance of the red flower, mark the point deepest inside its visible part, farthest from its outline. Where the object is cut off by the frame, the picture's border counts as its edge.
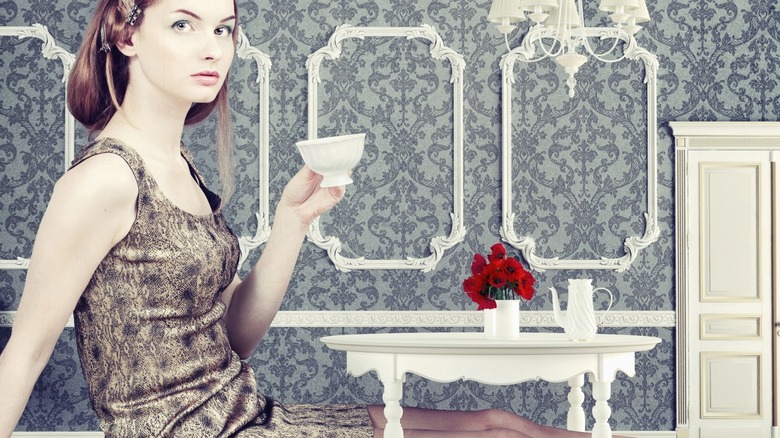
(486, 304)
(498, 277)
(472, 285)
(497, 253)
(497, 280)
(478, 264)
(513, 270)
(526, 285)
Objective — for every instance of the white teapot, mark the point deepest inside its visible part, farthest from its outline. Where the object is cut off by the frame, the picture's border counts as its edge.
(579, 320)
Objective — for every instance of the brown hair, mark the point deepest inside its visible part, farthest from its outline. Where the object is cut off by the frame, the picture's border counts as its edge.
(99, 78)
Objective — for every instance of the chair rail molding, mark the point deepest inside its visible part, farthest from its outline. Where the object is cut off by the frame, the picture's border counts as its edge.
(438, 51)
(49, 50)
(433, 318)
(246, 51)
(527, 244)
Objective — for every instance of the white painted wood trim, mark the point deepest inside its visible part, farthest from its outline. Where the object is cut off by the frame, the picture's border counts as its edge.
(697, 142)
(725, 129)
(438, 50)
(466, 318)
(527, 244)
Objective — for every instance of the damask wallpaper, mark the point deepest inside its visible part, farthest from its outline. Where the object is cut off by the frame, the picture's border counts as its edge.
(578, 168)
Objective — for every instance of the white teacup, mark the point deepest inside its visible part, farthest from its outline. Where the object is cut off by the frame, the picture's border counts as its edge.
(333, 157)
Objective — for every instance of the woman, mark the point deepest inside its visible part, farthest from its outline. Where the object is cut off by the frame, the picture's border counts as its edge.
(135, 246)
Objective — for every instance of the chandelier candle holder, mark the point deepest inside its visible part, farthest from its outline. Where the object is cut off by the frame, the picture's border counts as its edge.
(559, 32)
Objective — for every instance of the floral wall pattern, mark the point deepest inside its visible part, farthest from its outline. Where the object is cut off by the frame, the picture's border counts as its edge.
(578, 184)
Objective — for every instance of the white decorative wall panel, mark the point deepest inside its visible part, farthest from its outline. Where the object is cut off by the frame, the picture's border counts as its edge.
(527, 243)
(438, 244)
(49, 50)
(262, 61)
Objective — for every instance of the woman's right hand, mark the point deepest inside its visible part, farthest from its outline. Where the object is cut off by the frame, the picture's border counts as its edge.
(306, 199)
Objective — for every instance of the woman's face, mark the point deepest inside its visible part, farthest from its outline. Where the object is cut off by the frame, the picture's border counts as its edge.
(183, 49)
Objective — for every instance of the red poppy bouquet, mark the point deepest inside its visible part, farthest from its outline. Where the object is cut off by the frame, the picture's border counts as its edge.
(498, 278)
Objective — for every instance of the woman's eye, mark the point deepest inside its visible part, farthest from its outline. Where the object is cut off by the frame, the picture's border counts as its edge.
(224, 30)
(182, 25)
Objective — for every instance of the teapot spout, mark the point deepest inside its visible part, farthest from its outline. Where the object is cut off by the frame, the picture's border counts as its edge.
(560, 316)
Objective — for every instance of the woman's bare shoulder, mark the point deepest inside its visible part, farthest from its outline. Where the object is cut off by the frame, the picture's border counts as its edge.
(99, 194)
(103, 178)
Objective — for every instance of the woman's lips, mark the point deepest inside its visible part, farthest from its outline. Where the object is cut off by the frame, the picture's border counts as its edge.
(207, 77)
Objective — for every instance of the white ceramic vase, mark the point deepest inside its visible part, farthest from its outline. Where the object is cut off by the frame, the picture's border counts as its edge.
(503, 322)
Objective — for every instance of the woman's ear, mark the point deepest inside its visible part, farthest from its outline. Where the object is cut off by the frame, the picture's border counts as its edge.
(127, 45)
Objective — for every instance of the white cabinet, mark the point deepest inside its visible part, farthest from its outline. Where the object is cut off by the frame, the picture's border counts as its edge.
(726, 196)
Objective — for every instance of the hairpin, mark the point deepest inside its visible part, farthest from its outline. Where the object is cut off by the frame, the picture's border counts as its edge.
(104, 47)
(133, 14)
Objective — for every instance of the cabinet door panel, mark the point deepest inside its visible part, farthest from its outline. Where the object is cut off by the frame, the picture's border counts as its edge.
(731, 385)
(729, 229)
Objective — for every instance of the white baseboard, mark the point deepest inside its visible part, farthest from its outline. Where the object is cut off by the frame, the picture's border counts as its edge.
(100, 434)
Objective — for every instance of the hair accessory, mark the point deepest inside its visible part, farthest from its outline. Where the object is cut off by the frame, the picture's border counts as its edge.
(133, 14)
(104, 47)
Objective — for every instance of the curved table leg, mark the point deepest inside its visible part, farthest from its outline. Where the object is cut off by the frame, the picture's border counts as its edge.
(393, 390)
(575, 419)
(601, 411)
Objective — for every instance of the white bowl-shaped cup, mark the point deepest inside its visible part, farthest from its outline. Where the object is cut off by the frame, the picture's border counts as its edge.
(333, 157)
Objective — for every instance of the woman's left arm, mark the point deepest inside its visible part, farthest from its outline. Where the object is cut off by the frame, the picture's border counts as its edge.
(253, 302)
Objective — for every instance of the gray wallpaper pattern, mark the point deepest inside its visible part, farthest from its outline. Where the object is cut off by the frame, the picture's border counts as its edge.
(574, 191)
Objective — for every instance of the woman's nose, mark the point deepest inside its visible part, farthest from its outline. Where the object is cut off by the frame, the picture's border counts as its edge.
(212, 48)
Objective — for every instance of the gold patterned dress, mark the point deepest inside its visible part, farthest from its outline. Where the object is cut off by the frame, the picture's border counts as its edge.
(152, 340)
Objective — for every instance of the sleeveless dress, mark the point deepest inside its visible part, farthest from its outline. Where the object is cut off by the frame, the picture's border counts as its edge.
(152, 341)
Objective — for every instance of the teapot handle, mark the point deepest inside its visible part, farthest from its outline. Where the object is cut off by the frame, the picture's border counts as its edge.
(611, 300)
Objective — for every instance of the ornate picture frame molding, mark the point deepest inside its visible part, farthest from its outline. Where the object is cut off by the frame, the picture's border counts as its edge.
(438, 51)
(527, 244)
(49, 50)
(245, 50)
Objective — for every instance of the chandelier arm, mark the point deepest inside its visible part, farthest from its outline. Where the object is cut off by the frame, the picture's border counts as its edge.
(617, 34)
(586, 42)
(601, 57)
(537, 34)
(549, 53)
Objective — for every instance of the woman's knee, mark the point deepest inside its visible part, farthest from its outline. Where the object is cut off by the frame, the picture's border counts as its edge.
(496, 419)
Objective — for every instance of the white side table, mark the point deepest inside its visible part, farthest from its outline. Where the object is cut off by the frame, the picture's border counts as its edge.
(447, 357)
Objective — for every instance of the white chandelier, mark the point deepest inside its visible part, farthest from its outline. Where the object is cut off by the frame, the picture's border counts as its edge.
(559, 32)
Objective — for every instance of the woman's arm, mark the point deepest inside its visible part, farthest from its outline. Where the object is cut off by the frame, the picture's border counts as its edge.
(253, 302)
(92, 207)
